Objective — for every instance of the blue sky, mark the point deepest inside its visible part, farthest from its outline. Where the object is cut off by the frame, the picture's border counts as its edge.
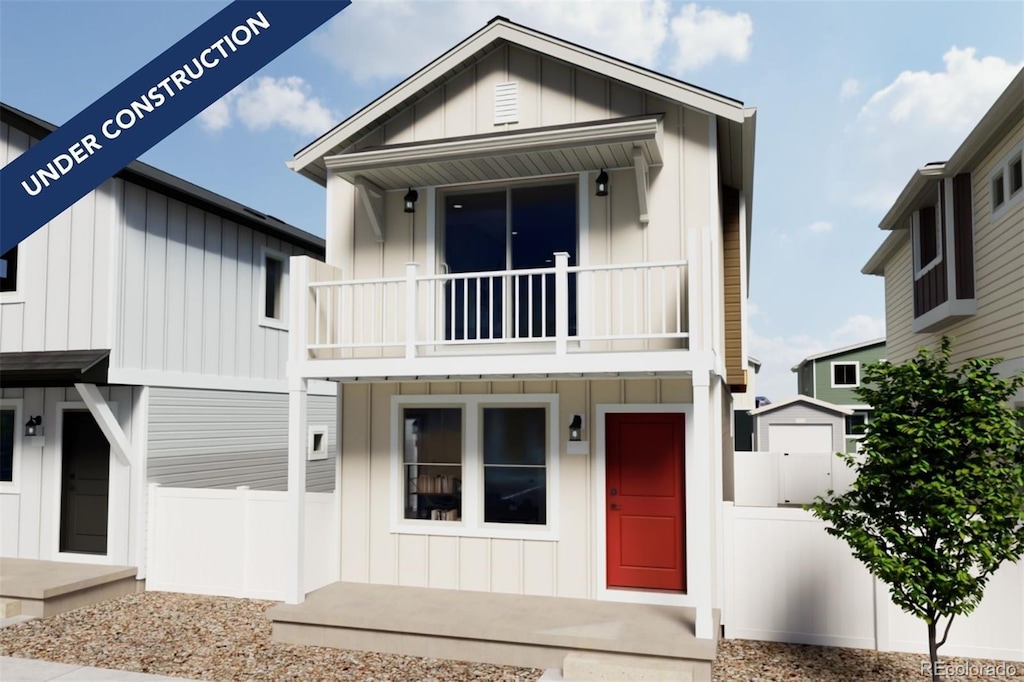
(851, 98)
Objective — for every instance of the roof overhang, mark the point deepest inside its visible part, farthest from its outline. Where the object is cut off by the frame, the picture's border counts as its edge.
(309, 160)
(876, 264)
(806, 400)
(53, 368)
(551, 150)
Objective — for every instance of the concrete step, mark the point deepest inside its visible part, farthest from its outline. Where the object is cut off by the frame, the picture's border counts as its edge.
(9, 608)
(594, 667)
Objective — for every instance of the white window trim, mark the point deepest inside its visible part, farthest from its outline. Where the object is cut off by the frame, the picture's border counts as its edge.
(832, 373)
(314, 455)
(273, 322)
(1010, 200)
(16, 404)
(920, 272)
(18, 295)
(472, 524)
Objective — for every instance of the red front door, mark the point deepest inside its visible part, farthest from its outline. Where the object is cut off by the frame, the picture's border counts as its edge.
(644, 501)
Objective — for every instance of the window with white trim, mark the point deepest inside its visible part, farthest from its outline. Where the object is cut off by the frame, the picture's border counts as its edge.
(998, 191)
(927, 240)
(274, 289)
(845, 374)
(480, 465)
(1016, 177)
(10, 442)
(9, 270)
(1006, 182)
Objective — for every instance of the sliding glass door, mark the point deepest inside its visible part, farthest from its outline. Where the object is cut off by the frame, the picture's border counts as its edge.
(518, 228)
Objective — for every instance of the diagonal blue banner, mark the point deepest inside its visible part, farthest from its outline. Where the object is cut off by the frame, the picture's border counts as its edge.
(148, 106)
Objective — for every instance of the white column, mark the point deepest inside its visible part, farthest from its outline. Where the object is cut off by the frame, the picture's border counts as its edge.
(561, 302)
(295, 591)
(699, 510)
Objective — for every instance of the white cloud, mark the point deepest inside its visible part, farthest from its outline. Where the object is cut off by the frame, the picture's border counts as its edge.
(704, 34)
(850, 88)
(387, 39)
(266, 102)
(820, 227)
(919, 117)
(778, 354)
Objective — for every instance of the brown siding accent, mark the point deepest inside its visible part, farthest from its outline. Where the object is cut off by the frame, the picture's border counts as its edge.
(963, 235)
(931, 289)
(733, 304)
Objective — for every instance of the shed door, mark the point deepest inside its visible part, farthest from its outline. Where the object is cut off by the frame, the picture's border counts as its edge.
(800, 438)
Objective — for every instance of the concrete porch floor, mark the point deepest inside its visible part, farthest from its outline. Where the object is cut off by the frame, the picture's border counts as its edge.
(507, 629)
(46, 588)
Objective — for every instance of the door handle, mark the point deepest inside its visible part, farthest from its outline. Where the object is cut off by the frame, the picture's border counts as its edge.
(615, 506)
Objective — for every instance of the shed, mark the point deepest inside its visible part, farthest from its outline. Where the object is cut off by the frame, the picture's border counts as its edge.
(800, 424)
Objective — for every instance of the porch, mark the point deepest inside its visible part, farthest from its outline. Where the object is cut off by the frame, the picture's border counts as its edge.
(46, 588)
(504, 629)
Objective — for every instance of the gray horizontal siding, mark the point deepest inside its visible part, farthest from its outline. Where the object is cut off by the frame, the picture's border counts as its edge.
(224, 439)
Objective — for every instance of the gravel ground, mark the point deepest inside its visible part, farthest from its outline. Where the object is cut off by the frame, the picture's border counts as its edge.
(217, 638)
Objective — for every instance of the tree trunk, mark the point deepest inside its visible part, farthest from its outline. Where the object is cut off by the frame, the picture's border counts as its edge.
(933, 651)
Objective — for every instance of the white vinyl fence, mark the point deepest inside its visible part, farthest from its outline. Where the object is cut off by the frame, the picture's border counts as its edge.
(232, 542)
(787, 580)
(767, 479)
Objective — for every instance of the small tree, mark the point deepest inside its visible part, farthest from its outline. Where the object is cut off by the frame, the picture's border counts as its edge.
(938, 502)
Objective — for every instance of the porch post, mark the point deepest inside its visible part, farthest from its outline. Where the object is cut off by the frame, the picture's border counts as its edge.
(295, 591)
(699, 508)
(410, 309)
(561, 302)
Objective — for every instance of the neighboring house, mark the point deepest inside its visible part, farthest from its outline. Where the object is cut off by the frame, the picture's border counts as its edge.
(742, 403)
(833, 376)
(145, 328)
(953, 262)
(533, 299)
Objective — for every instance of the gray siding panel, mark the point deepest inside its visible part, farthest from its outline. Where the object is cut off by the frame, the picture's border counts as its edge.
(225, 439)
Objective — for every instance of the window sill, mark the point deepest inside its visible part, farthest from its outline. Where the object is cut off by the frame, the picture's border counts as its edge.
(12, 298)
(845, 385)
(457, 529)
(944, 314)
(273, 324)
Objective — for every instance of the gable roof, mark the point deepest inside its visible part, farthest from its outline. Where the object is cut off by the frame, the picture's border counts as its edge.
(495, 33)
(814, 402)
(839, 351)
(160, 181)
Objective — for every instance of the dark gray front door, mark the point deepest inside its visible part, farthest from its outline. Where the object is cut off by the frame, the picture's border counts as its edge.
(85, 485)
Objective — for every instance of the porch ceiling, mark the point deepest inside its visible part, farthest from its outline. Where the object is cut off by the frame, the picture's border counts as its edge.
(515, 154)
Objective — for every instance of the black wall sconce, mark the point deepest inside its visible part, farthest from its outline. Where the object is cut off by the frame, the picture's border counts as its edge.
(34, 426)
(576, 428)
(602, 184)
(411, 197)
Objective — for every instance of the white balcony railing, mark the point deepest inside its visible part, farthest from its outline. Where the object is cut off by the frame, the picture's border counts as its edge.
(564, 309)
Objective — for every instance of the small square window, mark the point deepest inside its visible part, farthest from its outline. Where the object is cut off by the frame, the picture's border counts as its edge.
(7, 426)
(1016, 178)
(316, 446)
(857, 424)
(274, 269)
(9, 270)
(998, 191)
(844, 374)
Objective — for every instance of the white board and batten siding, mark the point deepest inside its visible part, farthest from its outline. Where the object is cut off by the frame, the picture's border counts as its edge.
(62, 300)
(190, 293)
(226, 439)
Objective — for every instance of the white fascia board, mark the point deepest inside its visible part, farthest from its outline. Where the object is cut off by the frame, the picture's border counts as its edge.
(618, 132)
(675, 363)
(637, 76)
(912, 195)
(876, 264)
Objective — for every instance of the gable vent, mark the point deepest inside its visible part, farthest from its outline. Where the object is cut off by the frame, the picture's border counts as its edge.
(506, 103)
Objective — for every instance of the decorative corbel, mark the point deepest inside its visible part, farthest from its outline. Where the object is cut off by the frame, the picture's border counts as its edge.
(372, 198)
(642, 183)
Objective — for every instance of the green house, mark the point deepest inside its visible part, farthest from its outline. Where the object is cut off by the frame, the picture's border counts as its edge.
(833, 375)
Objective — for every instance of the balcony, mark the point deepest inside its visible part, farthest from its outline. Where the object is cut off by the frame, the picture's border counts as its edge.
(598, 320)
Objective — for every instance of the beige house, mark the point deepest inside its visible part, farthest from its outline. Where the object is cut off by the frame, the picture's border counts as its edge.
(533, 302)
(954, 259)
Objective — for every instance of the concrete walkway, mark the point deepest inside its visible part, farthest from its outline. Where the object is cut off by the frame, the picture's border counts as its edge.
(32, 670)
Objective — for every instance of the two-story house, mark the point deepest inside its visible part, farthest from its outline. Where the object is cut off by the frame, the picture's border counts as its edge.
(533, 300)
(953, 261)
(143, 339)
(833, 375)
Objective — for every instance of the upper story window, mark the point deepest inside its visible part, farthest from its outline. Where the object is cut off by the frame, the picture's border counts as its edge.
(9, 270)
(927, 240)
(845, 374)
(274, 289)
(1006, 182)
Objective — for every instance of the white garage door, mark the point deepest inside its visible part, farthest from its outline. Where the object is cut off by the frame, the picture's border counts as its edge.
(800, 438)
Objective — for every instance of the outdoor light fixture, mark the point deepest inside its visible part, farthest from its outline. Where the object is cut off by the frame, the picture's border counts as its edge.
(576, 428)
(410, 200)
(34, 426)
(602, 184)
